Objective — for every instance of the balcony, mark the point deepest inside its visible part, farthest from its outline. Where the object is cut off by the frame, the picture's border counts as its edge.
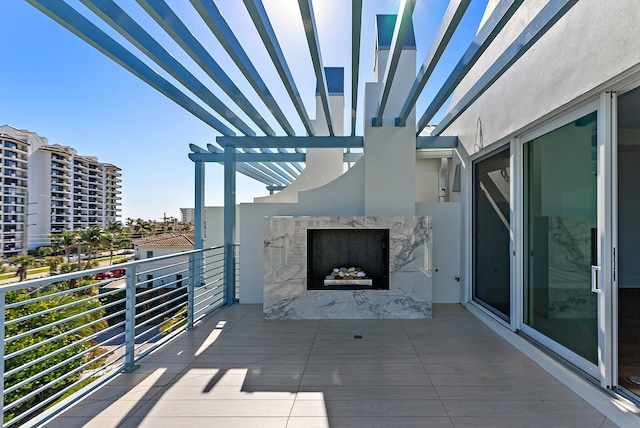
(60, 166)
(60, 158)
(228, 366)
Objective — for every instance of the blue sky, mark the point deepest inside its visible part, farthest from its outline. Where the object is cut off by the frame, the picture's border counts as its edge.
(58, 86)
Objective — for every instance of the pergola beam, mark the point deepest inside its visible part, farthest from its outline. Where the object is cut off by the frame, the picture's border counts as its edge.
(173, 25)
(403, 24)
(252, 158)
(293, 142)
(309, 22)
(494, 24)
(73, 21)
(265, 30)
(439, 142)
(543, 21)
(452, 17)
(249, 157)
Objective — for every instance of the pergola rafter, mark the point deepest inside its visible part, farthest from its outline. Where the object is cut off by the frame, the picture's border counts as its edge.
(219, 27)
(489, 31)
(309, 23)
(452, 17)
(173, 25)
(263, 25)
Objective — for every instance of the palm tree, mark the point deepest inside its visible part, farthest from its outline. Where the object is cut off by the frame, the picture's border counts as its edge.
(108, 242)
(54, 262)
(66, 268)
(143, 227)
(65, 241)
(24, 262)
(92, 237)
(114, 227)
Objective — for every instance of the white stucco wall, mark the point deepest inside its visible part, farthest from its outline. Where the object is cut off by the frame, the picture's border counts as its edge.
(447, 233)
(322, 165)
(427, 180)
(214, 226)
(390, 149)
(447, 249)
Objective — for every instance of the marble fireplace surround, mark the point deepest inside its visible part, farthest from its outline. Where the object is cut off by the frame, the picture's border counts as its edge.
(285, 271)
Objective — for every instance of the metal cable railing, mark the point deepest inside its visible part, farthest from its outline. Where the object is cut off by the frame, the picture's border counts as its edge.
(66, 334)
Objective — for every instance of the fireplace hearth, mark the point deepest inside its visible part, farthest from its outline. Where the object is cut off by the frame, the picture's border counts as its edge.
(348, 259)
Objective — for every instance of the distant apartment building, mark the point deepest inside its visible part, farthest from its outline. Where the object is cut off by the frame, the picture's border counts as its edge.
(13, 193)
(187, 215)
(50, 188)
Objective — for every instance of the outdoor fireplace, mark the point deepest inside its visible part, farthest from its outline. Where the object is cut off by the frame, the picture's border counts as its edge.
(301, 252)
(348, 259)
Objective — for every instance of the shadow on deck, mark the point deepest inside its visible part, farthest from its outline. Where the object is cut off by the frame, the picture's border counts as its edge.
(238, 370)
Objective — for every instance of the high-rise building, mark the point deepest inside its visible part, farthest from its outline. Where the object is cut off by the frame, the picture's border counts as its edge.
(13, 193)
(50, 188)
(187, 215)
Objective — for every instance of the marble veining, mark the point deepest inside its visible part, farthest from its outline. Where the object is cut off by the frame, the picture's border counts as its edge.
(285, 271)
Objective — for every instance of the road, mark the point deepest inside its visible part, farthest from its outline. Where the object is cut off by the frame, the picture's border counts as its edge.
(44, 274)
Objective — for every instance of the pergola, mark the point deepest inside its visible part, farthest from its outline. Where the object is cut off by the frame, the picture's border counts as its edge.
(254, 149)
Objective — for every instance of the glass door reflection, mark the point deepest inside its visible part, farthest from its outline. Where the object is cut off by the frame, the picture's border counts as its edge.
(560, 206)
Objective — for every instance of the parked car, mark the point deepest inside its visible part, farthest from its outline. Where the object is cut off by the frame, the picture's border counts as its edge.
(103, 275)
(118, 273)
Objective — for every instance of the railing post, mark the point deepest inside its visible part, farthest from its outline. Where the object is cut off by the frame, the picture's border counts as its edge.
(191, 290)
(229, 223)
(229, 274)
(3, 297)
(130, 320)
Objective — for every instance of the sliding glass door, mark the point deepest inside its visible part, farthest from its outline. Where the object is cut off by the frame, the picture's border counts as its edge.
(491, 233)
(561, 237)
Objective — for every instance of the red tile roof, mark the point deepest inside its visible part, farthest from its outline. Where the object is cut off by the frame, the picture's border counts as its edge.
(166, 240)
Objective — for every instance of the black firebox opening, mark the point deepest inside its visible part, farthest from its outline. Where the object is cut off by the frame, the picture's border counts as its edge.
(366, 249)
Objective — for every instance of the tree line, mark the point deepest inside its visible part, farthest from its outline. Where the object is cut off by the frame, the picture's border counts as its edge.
(113, 237)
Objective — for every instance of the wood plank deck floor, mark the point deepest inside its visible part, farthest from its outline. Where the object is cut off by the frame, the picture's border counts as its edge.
(238, 370)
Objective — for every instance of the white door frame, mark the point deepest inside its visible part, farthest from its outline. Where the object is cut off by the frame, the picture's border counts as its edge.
(607, 239)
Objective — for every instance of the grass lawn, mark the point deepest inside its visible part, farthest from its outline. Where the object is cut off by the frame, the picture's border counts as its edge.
(33, 271)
